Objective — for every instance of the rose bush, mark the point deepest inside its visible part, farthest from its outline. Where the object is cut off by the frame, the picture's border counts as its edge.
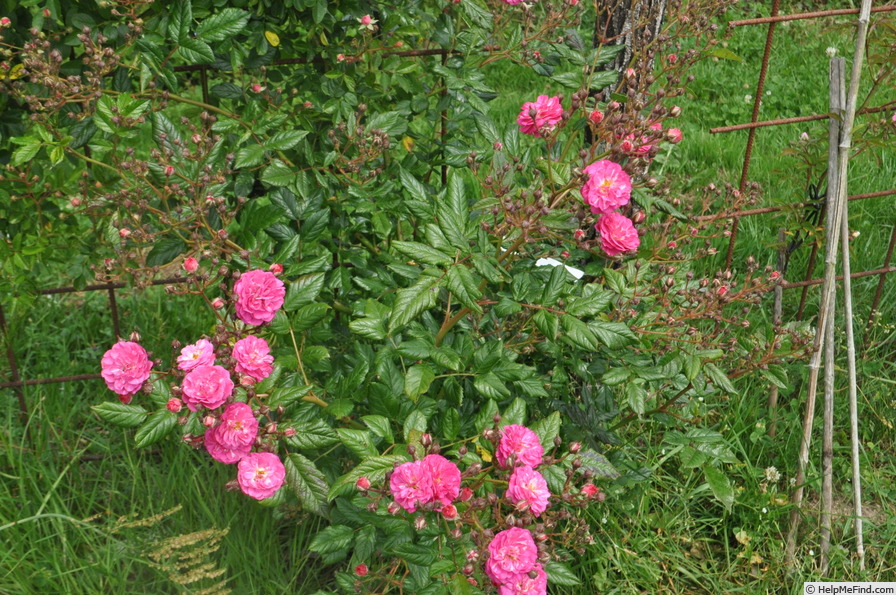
(389, 265)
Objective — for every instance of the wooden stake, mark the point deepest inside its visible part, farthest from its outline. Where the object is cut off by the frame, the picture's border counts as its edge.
(837, 101)
(834, 212)
(853, 406)
(776, 319)
(840, 192)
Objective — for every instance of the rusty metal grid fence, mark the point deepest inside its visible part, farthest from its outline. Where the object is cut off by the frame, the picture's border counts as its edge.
(756, 124)
(17, 383)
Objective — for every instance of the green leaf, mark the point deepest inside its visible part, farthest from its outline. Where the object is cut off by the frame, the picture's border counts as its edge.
(547, 323)
(597, 463)
(692, 365)
(450, 424)
(417, 381)
(249, 156)
(287, 396)
(303, 290)
(515, 413)
(119, 414)
(547, 428)
(335, 538)
(28, 148)
(223, 25)
(453, 213)
(285, 140)
(359, 442)
(373, 468)
(379, 425)
(423, 253)
(612, 334)
(164, 251)
(155, 428)
(277, 174)
(464, 287)
(226, 91)
(180, 20)
(196, 51)
(592, 303)
(312, 435)
(579, 333)
(477, 15)
(369, 328)
(615, 376)
(776, 375)
(724, 54)
(719, 377)
(413, 186)
(720, 485)
(308, 316)
(415, 422)
(307, 483)
(166, 135)
(412, 301)
(415, 553)
(560, 574)
(636, 397)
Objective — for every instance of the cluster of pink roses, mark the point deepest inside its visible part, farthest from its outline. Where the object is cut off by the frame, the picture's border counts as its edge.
(513, 564)
(434, 480)
(207, 386)
(608, 187)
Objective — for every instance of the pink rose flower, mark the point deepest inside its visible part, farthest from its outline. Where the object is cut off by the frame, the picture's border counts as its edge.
(220, 452)
(260, 474)
(512, 552)
(608, 187)
(540, 116)
(200, 353)
(238, 427)
(259, 294)
(125, 367)
(512, 2)
(528, 486)
(523, 584)
(411, 484)
(365, 20)
(207, 386)
(617, 234)
(522, 443)
(253, 357)
(445, 478)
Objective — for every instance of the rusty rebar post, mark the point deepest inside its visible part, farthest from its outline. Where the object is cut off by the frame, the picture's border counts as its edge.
(13, 369)
(444, 122)
(883, 276)
(796, 205)
(113, 309)
(805, 284)
(760, 86)
(806, 15)
(796, 119)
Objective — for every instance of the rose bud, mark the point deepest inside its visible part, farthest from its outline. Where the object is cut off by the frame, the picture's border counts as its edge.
(217, 303)
(596, 116)
(362, 484)
(449, 512)
(174, 405)
(191, 264)
(276, 268)
(361, 570)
